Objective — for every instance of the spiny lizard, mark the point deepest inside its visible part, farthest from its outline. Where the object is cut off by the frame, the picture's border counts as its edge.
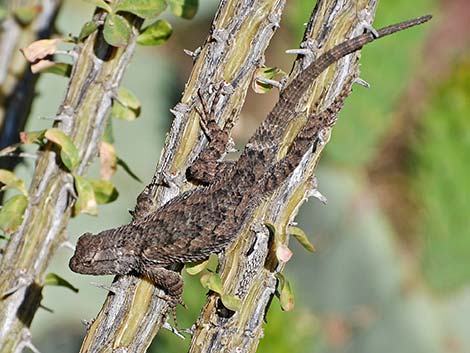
(207, 219)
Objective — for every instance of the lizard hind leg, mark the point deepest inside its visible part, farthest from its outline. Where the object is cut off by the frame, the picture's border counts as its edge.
(208, 167)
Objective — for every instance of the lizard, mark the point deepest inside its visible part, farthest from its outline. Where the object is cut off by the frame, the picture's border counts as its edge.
(206, 219)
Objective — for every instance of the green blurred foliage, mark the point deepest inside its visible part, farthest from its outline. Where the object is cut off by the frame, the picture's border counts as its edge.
(442, 172)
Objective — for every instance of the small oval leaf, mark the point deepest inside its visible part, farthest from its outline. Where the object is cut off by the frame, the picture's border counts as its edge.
(155, 34)
(86, 202)
(231, 302)
(26, 14)
(68, 151)
(268, 73)
(128, 170)
(193, 268)
(116, 30)
(126, 106)
(286, 295)
(101, 4)
(12, 212)
(87, 29)
(60, 69)
(212, 281)
(302, 238)
(53, 279)
(11, 181)
(105, 191)
(283, 253)
(143, 8)
(184, 8)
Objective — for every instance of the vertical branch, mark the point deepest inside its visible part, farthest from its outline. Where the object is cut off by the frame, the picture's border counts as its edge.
(132, 315)
(17, 82)
(248, 269)
(96, 75)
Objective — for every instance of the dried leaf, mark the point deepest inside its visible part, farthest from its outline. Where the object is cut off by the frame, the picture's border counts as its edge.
(53, 279)
(108, 160)
(302, 238)
(40, 49)
(11, 181)
(12, 212)
(68, 151)
(283, 253)
(31, 136)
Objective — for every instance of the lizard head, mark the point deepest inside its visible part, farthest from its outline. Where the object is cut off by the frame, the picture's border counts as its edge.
(100, 255)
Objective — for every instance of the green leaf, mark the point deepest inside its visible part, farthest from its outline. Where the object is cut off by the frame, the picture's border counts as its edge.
(11, 181)
(155, 34)
(60, 69)
(31, 137)
(126, 106)
(108, 135)
(104, 190)
(101, 4)
(87, 29)
(286, 295)
(53, 279)
(128, 170)
(231, 302)
(68, 151)
(143, 8)
(26, 14)
(271, 228)
(184, 8)
(193, 268)
(302, 238)
(12, 212)
(86, 202)
(116, 30)
(212, 281)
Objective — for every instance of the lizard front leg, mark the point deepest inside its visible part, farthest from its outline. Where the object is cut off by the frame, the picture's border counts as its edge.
(208, 166)
(170, 281)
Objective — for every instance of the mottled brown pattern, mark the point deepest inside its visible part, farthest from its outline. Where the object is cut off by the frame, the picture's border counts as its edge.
(205, 220)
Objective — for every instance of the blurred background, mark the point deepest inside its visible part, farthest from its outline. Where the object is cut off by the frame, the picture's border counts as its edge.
(392, 268)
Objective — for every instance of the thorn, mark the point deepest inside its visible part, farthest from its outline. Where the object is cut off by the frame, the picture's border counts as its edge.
(268, 81)
(53, 118)
(180, 109)
(170, 180)
(193, 54)
(103, 286)
(365, 19)
(361, 82)
(26, 342)
(170, 328)
(220, 35)
(318, 195)
(46, 308)
(115, 97)
(88, 323)
(299, 51)
(67, 244)
(190, 330)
